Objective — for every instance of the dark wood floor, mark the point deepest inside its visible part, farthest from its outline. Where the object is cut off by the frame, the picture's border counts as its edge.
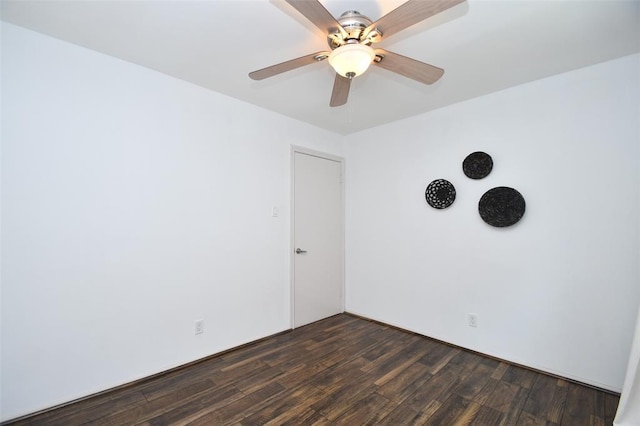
(345, 370)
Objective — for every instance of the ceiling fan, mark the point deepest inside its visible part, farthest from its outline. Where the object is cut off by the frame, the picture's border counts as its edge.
(350, 38)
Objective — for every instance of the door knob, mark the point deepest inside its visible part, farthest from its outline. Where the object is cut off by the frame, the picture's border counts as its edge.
(300, 251)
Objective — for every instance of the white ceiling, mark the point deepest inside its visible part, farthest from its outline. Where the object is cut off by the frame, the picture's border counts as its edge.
(483, 45)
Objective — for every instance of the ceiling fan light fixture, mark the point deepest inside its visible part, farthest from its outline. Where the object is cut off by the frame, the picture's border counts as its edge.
(351, 60)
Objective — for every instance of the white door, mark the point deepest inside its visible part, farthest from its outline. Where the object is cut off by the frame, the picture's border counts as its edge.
(317, 238)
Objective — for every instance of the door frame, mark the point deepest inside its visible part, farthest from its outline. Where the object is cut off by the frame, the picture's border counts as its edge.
(302, 150)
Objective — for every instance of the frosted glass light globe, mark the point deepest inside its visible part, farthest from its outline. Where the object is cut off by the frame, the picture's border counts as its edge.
(351, 60)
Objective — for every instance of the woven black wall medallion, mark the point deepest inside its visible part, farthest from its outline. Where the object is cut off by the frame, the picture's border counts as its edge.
(440, 194)
(477, 165)
(501, 206)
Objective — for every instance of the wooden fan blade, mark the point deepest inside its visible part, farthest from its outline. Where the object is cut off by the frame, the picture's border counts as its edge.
(288, 65)
(315, 12)
(411, 68)
(408, 14)
(340, 92)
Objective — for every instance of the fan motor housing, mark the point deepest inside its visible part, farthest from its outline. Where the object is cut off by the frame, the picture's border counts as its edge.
(355, 24)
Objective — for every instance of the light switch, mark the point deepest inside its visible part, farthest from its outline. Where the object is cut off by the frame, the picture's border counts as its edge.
(275, 211)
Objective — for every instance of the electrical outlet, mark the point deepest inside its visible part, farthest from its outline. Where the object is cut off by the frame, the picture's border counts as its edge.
(472, 320)
(200, 326)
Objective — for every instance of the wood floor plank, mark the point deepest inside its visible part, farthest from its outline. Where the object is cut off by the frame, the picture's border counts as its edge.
(541, 397)
(580, 405)
(486, 392)
(474, 382)
(343, 370)
(118, 400)
(515, 407)
(610, 406)
(334, 404)
(322, 347)
(157, 387)
(502, 397)
(381, 353)
(519, 376)
(499, 371)
(596, 421)
(489, 362)
(452, 411)
(257, 358)
(405, 415)
(329, 379)
(386, 368)
(240, 370)
(369, 410)
(299, 375)
(428, 411)
(196, 407)
(528, 419)
(237, 410)
(398, 368)
(468, 415)
(308, 417)
(405, 383)
(124, 401)
(437, 388)
(156, 407)
(251, 383)
(296, 404)
(349, 350)
(161, 388)
(488, 416)
(261, 347)
(555, 409)
(439, 357)
(467, 360)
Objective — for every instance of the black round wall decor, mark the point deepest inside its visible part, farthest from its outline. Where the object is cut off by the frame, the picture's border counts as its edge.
(501, 206)
(440, 194)
(477, 165)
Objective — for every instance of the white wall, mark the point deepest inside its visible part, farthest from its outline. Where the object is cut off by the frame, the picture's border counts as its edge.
(133, 204)
(559, 290)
